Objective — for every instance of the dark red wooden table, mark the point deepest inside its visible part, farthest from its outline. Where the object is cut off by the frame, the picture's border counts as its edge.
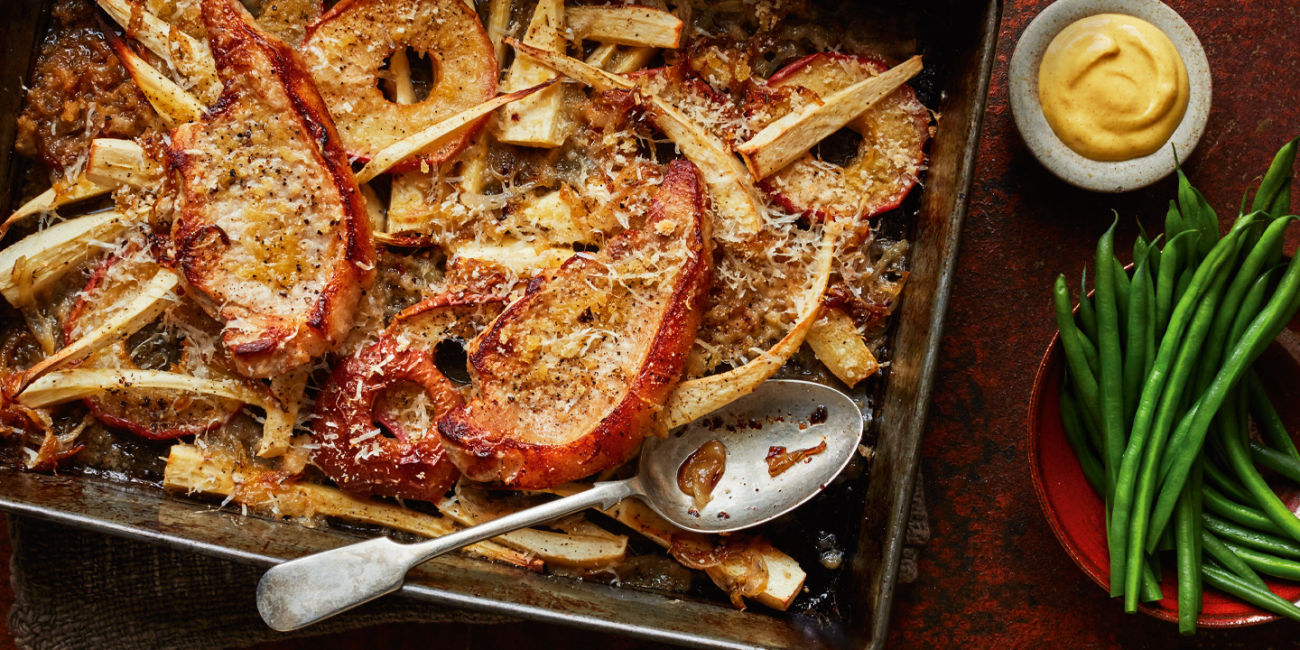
(993, 575)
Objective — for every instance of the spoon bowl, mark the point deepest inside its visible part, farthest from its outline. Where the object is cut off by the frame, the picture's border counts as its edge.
(796, 415)
(785, 413)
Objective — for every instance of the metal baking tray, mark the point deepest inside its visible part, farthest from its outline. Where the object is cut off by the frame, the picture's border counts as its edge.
(850, 608)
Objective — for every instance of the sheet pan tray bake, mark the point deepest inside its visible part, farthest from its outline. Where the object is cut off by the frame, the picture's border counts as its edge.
(957, 39)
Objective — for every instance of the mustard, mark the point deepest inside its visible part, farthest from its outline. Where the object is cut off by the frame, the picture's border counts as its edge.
(1112, 87)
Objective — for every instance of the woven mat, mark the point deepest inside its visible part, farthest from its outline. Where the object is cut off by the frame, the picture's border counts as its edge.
(78, 589)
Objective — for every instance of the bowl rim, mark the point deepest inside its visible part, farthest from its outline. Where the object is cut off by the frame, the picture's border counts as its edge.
(1052, 361)
(1054, 154)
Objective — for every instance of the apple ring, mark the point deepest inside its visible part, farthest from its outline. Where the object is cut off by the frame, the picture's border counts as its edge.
(346, 48)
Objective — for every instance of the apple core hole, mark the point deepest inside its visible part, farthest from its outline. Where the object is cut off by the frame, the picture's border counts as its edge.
(839, 148)
(452, 361)
(403, 407)
(415, 84)
(153, 347)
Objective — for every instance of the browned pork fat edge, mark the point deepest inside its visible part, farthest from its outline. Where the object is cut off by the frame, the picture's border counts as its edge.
(570, 377)
(272, 233)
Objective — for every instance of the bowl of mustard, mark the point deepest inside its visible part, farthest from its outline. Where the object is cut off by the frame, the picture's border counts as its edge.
(1110, 94)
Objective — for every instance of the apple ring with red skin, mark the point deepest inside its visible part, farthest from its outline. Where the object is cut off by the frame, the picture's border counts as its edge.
(156, 414)
(355, 453)
(887, 162)
(346, 48)
(367, 388)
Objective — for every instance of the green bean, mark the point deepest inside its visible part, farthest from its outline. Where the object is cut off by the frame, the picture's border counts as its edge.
(1243, 280)
(1140, 246)
(1160, 396)
(1261, 331)
(1266, 563)
(1264, 599)
(1166, 278)
(1197, 214)
(1271, 426)
(1076, 435)
(1110, 384)
(1220, 551)
(1274, 193)
(1187, 532)
(1087, 317)
(1166, 542)
(1226, 508)
(1228, 485)
(1075, 357)
(1174, 223)
(1090, 354)
(1275, 460)
(1135, 355)
(1268, 502)
(1123, 286)
(1231, 532)
(1150, 584)
(1091, 427)
(1184, 281)
(1149, 336)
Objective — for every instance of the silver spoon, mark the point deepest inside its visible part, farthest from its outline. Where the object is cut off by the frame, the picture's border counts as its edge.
(786, 413)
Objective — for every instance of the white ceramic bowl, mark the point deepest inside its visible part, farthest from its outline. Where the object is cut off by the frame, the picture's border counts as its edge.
(1096, 175)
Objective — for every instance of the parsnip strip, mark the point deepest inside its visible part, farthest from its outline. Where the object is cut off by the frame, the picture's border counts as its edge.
(51, 199)
(189, 470)
(640, 26)
(173, 103)
(602, 55)
(408, 146)
(838, 344)
(552, 548)
(573, 68)
(518, 256)
(115, 163)
(47, 255)
(730, 186)
(538, 121)
(784, 575)
(631, 59)
(154, 297)
(789, 137)
(696, 398)
(150, 30)
(189, 56)
(619, 59)
(277, 432)
(63, 386)
(374, 210)
(734, 195)
(498, 23)
(399, 68)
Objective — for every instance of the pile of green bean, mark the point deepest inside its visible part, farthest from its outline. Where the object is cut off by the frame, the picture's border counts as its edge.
(1160, 392)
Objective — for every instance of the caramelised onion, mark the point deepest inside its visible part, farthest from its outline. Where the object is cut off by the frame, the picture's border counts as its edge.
(701, 471)
(779, 460)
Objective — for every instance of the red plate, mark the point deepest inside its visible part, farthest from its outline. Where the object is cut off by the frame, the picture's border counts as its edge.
(1077, 514)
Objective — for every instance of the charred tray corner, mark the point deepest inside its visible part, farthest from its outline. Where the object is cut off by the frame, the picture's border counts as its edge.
(863, 515)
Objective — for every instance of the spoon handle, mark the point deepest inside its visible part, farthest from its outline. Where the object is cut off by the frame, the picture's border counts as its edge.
(300, 592)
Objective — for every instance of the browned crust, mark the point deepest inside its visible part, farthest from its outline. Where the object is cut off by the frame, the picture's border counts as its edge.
(233, 36)
(484, 454)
